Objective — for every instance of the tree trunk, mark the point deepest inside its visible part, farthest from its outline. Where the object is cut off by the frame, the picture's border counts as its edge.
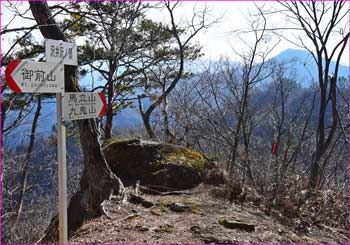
(109, 121)
(147, 124)
(109, 110)
(246, 140)
(145, 118)
(98, 181)
(315, 170)
(168, 136)
(3, 116)
(237, 134)
(323, 142)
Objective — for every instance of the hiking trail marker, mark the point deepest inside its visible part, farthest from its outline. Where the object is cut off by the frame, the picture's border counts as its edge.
(83, 105)
(26, 76)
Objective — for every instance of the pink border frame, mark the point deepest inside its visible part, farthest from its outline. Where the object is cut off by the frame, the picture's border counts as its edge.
(1, 72)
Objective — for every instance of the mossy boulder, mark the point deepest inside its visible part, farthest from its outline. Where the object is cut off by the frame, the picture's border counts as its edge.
(155, 163)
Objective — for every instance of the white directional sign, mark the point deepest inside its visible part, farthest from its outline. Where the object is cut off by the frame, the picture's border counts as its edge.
(25, 76)
(61, 52)
(83, 105)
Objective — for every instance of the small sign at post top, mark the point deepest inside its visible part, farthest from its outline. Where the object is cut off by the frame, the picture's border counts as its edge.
(25, 76)
(83, 105)
(61, 52)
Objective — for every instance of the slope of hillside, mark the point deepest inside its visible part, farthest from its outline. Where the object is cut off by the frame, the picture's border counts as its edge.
(196, 216)
(302, 65)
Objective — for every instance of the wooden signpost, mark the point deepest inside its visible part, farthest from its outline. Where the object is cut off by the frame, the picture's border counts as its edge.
(24, 76)
(62, 174)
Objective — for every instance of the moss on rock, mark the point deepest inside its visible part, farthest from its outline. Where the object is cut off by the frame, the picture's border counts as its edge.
(181, 155)
(192, 205)
(155, 163)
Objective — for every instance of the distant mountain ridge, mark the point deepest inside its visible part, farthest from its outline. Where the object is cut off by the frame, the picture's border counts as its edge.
(304, 66)
(298, 62)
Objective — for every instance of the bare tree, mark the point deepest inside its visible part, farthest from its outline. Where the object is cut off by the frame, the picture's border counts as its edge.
(25, 166)
(222, 100)
(290, 125)
(184, 48)
(321, 21)
(241, 81)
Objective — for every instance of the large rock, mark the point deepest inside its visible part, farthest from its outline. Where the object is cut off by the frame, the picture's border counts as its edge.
(233, 223)
(155, 163)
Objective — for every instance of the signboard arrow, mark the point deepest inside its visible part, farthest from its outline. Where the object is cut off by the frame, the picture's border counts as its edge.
(83, 105)
(60, 52)
(24, 76)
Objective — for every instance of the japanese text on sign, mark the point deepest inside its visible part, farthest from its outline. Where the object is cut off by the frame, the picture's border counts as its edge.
(38, 76)
(83, 110)
(35, 77)
(61, 52)
(82, 105)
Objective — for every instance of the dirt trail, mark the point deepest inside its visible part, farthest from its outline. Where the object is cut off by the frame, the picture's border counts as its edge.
(197, 217)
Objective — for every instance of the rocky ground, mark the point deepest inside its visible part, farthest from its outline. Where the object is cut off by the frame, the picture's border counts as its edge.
(196, 216)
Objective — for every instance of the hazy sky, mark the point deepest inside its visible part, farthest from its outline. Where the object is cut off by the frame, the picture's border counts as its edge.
(218, 40)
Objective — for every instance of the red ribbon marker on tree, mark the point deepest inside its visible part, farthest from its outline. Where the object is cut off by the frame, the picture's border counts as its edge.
(274, 148)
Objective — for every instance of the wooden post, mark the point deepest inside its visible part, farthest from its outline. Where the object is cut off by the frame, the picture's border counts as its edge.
(62, 173)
